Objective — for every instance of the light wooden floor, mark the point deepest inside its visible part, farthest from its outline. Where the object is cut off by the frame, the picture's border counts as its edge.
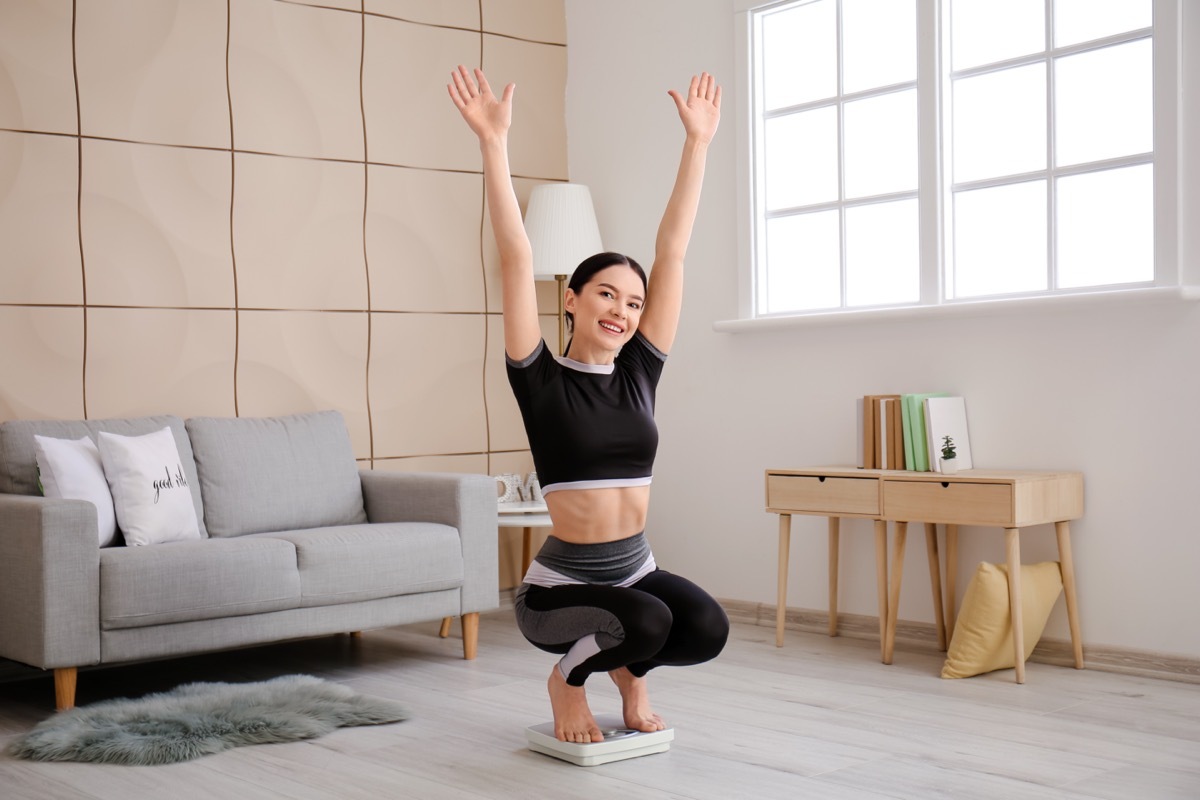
(819, 718)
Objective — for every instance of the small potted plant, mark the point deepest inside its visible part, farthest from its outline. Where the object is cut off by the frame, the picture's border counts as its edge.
(949, 456)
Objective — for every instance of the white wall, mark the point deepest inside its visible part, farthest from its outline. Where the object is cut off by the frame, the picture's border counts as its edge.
(1111, 391)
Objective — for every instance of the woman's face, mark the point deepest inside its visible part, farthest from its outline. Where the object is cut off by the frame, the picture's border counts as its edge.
(608, 307)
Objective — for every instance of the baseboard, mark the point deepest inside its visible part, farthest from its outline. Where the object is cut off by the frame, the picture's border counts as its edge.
(922, 637)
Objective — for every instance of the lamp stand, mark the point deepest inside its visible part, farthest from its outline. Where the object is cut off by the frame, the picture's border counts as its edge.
(562, 314)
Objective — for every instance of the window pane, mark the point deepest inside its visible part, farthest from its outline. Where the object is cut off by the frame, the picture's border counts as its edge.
(1000, 123)
(801, 165)
(1104, 103)
(1000, 240)
(1106, 227)
(1083, 20)
(983, 31)
(882, 254)
(799, 50)
(803, 262)
(880, 136)
(879, 43)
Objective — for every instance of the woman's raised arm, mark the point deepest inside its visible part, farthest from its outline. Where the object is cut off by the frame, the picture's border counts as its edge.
(490, 117)
(700, 113)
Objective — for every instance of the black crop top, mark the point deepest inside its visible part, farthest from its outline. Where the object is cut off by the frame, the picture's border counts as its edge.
(590, 425)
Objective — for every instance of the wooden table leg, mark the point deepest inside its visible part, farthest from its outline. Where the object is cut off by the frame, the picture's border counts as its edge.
(1012, 546)
(951, 578)
(881, 583)
(834, 524)
(785, 535)
(894, 594)
(1063, 531)
(526, 550)
(935, 581)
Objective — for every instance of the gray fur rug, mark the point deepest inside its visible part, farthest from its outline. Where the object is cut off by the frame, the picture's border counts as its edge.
(198, 719)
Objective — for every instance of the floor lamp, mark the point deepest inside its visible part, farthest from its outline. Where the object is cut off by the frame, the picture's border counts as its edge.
(561, 224)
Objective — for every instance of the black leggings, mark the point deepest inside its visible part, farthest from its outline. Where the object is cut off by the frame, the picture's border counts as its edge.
(662, 619)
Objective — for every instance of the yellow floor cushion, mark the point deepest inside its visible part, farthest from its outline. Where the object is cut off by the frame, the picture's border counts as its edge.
(982, 640)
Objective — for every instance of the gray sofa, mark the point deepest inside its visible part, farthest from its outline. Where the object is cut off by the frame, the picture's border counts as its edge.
(296, 542)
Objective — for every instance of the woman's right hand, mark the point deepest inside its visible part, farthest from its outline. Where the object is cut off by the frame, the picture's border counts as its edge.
(488, 116)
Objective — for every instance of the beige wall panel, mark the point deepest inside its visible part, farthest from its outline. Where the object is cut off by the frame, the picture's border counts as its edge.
(43, 376)
(411, 120)
(159, 361)
(156, 225)
(507, 431)
(294, 80)
(547, 292)
(452, 13)
(292, 362)
(470, 464)
(37, 83)
(427, 384)
(298, 233)
(153, 71)
(423, 240)
(39, 217)
(537, 141)
(346, 5)
(538, 20)
(520, 462)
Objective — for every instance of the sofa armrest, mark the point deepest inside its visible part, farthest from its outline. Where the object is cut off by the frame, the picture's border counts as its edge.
(465, 502)
(49, 582)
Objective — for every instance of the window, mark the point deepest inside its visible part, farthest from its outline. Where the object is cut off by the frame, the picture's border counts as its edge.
(922, 152)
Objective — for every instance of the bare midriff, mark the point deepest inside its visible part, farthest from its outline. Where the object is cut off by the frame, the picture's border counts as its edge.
(591, 516)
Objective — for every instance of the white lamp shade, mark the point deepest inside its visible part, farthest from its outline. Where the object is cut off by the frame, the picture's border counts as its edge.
(561, 224)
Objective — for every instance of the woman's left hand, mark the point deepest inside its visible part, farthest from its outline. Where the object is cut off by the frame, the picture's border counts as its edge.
(700, 111)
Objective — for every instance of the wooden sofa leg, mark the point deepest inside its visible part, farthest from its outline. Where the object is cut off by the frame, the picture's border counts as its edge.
(444, 631)
(470, 630)
(64, 687)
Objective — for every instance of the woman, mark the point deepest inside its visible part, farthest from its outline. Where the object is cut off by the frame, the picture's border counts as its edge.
(593, 594)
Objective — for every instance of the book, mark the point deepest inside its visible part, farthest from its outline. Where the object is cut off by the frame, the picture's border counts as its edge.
(947, 416)
(907, 429)
(922, 462)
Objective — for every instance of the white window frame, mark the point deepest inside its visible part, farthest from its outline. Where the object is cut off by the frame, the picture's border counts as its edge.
(1174, 277)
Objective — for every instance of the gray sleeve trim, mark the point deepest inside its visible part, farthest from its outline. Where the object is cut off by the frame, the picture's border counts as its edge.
(527, 360)
(659, 353)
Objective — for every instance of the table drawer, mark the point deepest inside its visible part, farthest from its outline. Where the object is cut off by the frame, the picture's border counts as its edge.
(823, 495)
(951, 502)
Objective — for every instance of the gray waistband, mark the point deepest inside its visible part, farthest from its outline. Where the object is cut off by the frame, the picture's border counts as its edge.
(602, 563)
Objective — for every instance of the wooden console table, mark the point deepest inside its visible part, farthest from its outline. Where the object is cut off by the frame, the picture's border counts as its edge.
(1008, 499)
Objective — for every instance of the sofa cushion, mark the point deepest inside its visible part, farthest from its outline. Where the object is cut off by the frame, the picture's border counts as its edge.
(347, 564)
(184, 581)
(276, 473)
(18, 462)
(149, 490)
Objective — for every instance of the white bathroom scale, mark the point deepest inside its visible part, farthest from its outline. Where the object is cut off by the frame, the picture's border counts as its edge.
(619, 742)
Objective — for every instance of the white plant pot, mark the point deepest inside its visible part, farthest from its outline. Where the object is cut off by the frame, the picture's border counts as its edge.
(949, 466)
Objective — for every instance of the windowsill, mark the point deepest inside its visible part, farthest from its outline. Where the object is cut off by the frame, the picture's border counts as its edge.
(964, 308)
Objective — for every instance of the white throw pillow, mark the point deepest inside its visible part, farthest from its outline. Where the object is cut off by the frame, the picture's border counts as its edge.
(70, 469)
(149, 490)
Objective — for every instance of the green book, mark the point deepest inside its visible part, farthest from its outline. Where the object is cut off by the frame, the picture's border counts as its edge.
(906, 426)
(915, 407)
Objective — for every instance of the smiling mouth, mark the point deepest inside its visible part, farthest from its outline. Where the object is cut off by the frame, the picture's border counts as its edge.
(612, 328)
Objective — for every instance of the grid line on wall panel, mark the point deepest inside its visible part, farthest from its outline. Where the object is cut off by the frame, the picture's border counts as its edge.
(309, 375)
(79, 202)
(362, 110)
(267, 154)
(237, 316)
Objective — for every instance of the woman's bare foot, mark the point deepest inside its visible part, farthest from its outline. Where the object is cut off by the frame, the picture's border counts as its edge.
(635, 702)
(573, 721)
